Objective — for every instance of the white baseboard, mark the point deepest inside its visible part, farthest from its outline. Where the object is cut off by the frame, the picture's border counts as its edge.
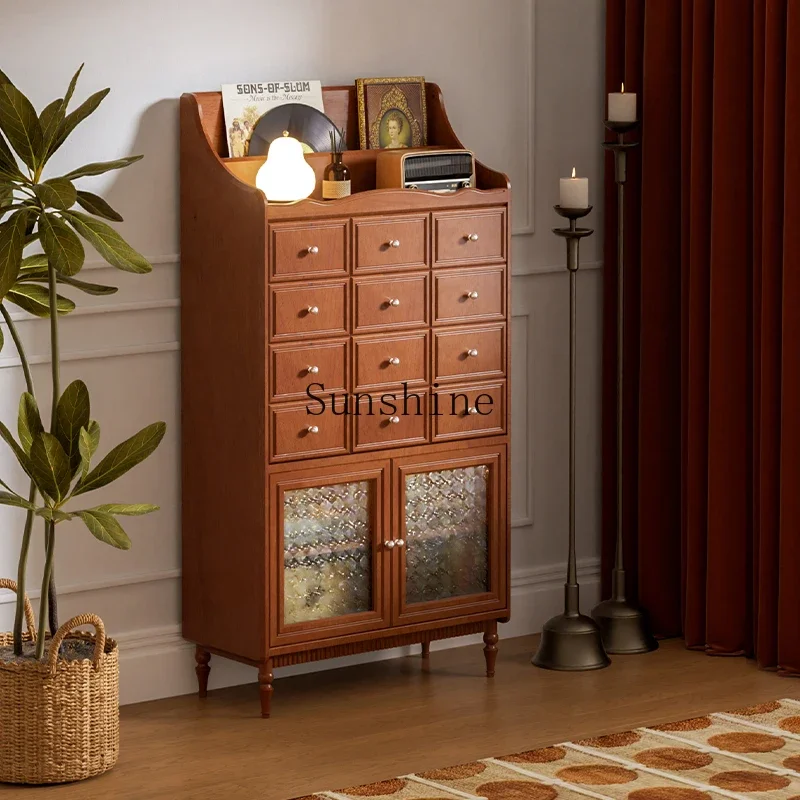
(158, 663)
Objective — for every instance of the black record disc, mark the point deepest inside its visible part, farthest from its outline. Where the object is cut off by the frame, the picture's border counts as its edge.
(305, 123)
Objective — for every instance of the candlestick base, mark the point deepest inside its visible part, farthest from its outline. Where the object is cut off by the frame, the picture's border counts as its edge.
(624, 628)
(571, 642)
(620, 127)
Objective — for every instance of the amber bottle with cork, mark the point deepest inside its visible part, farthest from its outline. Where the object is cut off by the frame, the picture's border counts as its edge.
(336, 178)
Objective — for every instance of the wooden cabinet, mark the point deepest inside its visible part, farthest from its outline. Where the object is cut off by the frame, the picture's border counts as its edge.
(345, 407)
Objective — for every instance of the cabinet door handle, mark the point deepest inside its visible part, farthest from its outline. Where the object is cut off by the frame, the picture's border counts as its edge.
(472, 353)
(472, 237)
(472, 410)
(394, 302)
(394, 361)
(313, 309)
(394, 243)
(312, 429)
(394, 420)
(400, 543)
(312, 370)
(313, 250)
(472, 295)
(390, 544)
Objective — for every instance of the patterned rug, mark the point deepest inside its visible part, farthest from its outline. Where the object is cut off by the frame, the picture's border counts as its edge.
(748, 753)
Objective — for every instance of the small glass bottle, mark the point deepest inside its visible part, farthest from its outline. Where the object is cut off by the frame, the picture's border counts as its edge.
(336, 179)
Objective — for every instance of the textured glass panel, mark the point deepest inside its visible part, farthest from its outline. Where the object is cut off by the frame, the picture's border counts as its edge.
(327, 552)
(447, 536)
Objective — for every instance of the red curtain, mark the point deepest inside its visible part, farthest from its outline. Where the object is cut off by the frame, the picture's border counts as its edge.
(711, 398)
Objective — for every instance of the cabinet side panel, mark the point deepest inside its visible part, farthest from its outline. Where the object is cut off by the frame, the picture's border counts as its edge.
(224, 380)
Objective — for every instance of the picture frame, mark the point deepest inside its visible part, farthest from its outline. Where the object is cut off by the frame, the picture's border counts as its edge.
(392, 113)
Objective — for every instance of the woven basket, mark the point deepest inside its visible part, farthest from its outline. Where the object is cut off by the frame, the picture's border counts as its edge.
(59, 719)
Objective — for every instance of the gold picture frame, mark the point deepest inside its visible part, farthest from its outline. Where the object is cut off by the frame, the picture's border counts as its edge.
(392, 113)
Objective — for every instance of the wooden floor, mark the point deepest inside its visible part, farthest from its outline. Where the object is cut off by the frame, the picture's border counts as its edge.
(365, 723)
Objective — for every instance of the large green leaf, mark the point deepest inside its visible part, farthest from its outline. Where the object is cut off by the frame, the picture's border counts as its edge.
(100, 167)
(88, 442)
(50, 467)
(57, 193)
(111, 246)
(123, 457)
(40, 276)
(60, 244)
(50, 118)
(35, 300)
(72, 415)
(97, 206)
(127, 509)
(105, 528)
(12, 241)
(73, 119)
(8, 164)
(29, 421)
(21, 455)
(10, 499)
(36, 261)
(20, 124)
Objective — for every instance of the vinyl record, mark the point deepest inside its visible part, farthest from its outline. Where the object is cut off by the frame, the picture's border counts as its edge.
(305, 123)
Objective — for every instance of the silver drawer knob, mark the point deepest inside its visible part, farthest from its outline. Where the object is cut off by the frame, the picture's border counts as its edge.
(400, 543)
(312, 429)
(472, 353)
(394, 243)
(312, 370)
(313, 250)
(394, 361)
(472, 295)
(472, 237)
(390, 545)
(395, 301)
(394, 420)
(472, 410)
(313, 310)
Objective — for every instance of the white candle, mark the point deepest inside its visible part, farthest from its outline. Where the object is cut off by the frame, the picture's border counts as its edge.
(574, 192)
(622, 106)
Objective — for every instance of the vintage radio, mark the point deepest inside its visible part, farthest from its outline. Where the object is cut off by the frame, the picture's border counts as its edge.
(439, 171)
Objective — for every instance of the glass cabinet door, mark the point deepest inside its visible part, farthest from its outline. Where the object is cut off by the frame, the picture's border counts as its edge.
(328, 573)
(450, 536)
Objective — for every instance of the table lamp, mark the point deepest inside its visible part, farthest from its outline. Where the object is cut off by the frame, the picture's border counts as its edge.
(286, 176)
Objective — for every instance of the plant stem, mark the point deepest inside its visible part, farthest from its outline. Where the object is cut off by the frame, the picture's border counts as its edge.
(26, 534)
(52, 607)
(50, 548)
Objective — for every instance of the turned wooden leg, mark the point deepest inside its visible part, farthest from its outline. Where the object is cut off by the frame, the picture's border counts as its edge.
(490, 639)
(426, 649)
(202, 657)
(265, 686)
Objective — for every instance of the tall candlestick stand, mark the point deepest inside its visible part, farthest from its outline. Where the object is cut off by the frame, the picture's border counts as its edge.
(571, 641)
(624, 627)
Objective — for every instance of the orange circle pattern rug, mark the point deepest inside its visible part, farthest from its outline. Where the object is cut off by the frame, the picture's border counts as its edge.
(748, 753)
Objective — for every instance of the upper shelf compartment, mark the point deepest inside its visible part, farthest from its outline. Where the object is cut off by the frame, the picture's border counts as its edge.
(203, 140)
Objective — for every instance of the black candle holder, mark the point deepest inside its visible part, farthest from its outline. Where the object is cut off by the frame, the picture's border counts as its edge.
(571, 641)
(624, 626)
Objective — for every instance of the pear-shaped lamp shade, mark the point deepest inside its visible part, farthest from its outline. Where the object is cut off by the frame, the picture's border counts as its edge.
(286, 176)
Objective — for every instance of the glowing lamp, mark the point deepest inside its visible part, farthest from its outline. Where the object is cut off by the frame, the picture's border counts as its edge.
(286, 176)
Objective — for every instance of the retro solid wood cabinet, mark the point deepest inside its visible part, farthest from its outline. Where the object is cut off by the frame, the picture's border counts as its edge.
(309, 532)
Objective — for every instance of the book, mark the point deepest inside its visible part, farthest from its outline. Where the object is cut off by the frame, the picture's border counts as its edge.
(244, 104)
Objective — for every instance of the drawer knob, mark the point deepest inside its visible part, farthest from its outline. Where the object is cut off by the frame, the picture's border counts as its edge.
(313, 250)
(312, 370)
(394, 302)
(313, 310)
(400, 543)
(390, 545)
(472, 410)
(394, 420)
(394, 243)
(472, 353)
(312, 429)
(472, 237)
(472, 295)
(394, 361)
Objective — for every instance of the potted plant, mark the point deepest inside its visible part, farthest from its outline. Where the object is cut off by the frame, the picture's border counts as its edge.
(59, 691)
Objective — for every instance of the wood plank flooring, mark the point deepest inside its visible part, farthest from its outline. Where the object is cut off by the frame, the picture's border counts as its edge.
(374, 721)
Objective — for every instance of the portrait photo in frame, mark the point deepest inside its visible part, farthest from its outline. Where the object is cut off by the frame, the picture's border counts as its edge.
(391, 113)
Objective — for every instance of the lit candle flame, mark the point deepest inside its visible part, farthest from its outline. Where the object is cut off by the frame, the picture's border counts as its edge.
(573, 172)
(622, 87)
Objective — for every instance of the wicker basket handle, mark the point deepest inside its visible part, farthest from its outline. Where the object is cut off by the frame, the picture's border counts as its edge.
(67, 627)
(7, 583)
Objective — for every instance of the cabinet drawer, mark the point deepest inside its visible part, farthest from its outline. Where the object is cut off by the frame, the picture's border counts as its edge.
(391, 243)
(469, 295)
(466, 236)
(462, 411)
(391, 360)
(296, 433)
(294, 367)
(376, 429)
(317, 250)
(473, 353)
(390, 303)
(312, 310)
